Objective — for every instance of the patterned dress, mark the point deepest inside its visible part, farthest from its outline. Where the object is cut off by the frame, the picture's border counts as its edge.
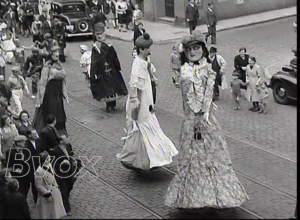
(205, 177)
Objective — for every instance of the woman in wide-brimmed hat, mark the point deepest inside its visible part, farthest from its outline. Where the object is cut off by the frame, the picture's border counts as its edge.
(205, 177)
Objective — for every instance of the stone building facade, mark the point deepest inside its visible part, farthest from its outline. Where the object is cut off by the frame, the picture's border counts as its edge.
(174, 10)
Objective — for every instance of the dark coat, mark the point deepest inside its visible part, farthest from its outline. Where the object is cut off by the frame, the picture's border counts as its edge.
(239, 62)
(59, 156)
(106, 79)
(22, 129)
(49, 138)
(15, 161)
(136, 34)
(191, 13)
(5, 92)
(211, 18)
(34, 161)
(47, 28)
(15, 206)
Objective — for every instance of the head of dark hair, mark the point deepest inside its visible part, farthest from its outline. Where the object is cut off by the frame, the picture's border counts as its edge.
(43, 156)
(12, 185)
(3, 120)
(23, 112)
(29, 130)
(243, 49)
(252, 58)
(50, 119)
(205, 54)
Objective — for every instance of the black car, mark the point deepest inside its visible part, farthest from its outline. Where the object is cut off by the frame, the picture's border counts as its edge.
(284, 84)
(73, 14)
(35, 6)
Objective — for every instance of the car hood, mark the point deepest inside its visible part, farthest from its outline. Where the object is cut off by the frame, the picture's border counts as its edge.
(75, 15)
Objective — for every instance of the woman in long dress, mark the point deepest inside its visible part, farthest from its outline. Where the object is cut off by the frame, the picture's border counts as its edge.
(51, 94)
(205, 177)
(146, 146)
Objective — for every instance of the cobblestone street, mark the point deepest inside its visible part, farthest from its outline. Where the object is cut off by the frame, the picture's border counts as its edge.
(262, 146)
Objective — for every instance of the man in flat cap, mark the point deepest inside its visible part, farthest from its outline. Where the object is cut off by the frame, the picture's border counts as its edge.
(48, 43)
(17, 84)
(141, 118)
(218, 65)
(107, 83)
(32, 68)
(17, 162)
(85, 61)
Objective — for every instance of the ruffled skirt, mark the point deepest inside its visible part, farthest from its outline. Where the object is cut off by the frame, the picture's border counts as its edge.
(146, 146)
(205, 177)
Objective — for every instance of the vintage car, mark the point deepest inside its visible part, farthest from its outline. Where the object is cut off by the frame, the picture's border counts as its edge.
(284, 84)
(35, 6)
(73, 14)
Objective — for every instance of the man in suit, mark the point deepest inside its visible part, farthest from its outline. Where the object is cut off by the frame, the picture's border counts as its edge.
(191, 15)
(64, 167)
(10, 19)
(49, 133)
(211, 22)
(34, 147)
(48, 26)
(43, 16)
(14, 203)
(17, 161)
(28, 10)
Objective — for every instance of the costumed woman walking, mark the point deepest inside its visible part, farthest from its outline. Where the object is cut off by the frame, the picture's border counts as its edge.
(51, 93)
(146, 146)
(205, 177)
(107, 83)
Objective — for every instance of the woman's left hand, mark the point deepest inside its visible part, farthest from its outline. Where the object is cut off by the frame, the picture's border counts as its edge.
(206, 118)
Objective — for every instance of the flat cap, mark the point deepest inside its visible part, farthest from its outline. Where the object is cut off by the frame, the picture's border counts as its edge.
(99, 27)
(213, 50)
(47, 35)
(144, 41)
(19, 138)
(83, 47)
(195, 38)
(15, 68)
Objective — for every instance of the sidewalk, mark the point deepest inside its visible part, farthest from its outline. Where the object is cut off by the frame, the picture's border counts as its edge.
(163, 32)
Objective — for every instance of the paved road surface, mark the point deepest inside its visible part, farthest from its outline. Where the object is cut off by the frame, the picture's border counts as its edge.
(262, 147)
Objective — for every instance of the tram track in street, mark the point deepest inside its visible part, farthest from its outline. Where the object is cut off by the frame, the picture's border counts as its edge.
(168, 169)
(174, 115)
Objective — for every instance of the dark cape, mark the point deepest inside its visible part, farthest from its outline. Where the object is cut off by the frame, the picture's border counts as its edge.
(107, 83)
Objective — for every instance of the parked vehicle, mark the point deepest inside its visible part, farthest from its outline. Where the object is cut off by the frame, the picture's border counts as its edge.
(284, 84)
(35, 6)
(73, 14)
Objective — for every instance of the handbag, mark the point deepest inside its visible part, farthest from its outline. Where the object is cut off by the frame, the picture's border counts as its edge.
(224, 82)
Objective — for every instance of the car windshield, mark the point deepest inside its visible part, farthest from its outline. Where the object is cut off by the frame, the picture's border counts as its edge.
(73, 8)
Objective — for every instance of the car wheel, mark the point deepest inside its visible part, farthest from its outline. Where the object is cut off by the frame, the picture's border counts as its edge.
(83, 26)
(280, 92)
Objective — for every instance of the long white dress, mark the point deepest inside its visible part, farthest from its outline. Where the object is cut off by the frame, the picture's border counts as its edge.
(146, 146)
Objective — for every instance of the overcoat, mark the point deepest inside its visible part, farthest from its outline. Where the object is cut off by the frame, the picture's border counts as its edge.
(52, 207)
